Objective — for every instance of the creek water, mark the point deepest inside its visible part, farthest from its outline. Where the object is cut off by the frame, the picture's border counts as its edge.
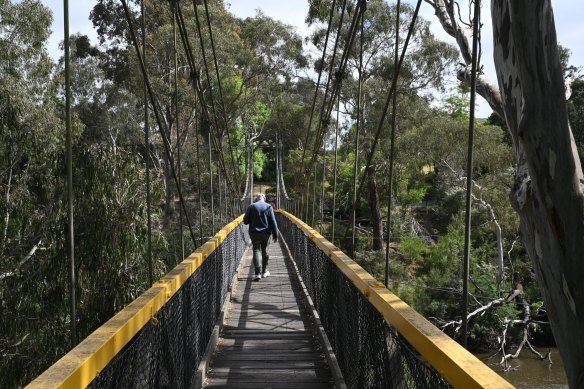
(530, 372)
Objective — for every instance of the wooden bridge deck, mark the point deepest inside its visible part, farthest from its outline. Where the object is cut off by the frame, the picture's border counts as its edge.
(268, 339)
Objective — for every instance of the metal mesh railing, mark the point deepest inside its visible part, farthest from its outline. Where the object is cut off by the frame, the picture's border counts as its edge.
(158, 340)
(168, 350)
(370, 352)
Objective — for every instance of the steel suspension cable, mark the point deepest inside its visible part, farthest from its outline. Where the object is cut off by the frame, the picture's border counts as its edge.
(176, 126)
(157, 114)
(198, 137)
(69, 167)
(147, 152)
(392, 147)
(251, 166)
(335, 168)
(277, 157)
(211, 186)
(206, 66)
(338, 76)
(226, 201)
(389, 97)
(327, 109)
(469, 167)
(331, 66)
(221, 99)
(306, 213)
(328, 30)
(359, 124)
(323, 178)
(196, 85)
(314, 198)
(220, 190)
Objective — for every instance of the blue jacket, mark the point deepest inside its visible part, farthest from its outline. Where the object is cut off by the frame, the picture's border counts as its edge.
(260, 217)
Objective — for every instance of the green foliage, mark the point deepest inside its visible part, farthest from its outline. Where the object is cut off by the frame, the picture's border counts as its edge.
(259, 160)
(410, 191)
(413, 249)
(259, 115)
(260, 59)
(112, 269)
(373, 262)
(457, 105)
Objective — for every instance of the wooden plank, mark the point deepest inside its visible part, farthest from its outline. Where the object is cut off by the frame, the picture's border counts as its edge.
(251, 311)
(272, 350)
(262, 345)
(290, 327)
(261, 334)
(269, 375)
(267, 339)
(255, 356)
(268, 307)
(232, 384)
(268, 365)
(264, 320)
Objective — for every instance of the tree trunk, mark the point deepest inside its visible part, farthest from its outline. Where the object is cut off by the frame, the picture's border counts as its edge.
(499, 235)
(375, 212)
(548, 189)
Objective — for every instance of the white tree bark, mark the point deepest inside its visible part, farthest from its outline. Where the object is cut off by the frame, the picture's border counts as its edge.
(448, 15)
(548, 192)
(548, 186)
(499, 234)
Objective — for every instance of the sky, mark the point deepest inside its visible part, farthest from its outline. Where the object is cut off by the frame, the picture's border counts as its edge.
(569, 17)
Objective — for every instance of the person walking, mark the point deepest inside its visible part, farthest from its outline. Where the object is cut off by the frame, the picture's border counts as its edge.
(270, 200)
(262, 223)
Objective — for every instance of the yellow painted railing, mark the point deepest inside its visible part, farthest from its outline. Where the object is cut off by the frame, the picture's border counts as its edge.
(458, 366)
(81, 366)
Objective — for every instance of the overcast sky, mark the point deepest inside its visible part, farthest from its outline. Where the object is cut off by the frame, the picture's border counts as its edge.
(569, 16)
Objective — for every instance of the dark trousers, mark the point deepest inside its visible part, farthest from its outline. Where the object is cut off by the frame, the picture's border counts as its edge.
(259, 242)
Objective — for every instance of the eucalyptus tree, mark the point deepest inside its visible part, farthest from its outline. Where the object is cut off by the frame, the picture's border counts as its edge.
(424, 68)
(108, 210)
(253, 56)
(547, 192)
(110, 195)
(271, 58)
(33, 269)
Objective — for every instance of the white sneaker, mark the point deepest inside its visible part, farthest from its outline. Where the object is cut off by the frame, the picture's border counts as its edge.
(265, 274)
(257, 277)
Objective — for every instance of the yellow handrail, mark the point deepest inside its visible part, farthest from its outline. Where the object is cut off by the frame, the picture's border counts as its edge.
(79, 367)
(458, 366)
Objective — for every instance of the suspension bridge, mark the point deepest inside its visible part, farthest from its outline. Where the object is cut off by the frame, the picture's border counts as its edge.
(319, 321)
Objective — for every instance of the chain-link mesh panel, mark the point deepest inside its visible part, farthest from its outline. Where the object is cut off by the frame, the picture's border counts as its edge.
(166, 354)
(370, 352)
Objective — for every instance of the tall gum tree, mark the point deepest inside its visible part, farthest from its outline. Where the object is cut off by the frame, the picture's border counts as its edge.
(424, 67)
(548, 184)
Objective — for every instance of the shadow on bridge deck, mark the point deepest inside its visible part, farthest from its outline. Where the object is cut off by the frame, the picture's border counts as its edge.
(268, 339)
